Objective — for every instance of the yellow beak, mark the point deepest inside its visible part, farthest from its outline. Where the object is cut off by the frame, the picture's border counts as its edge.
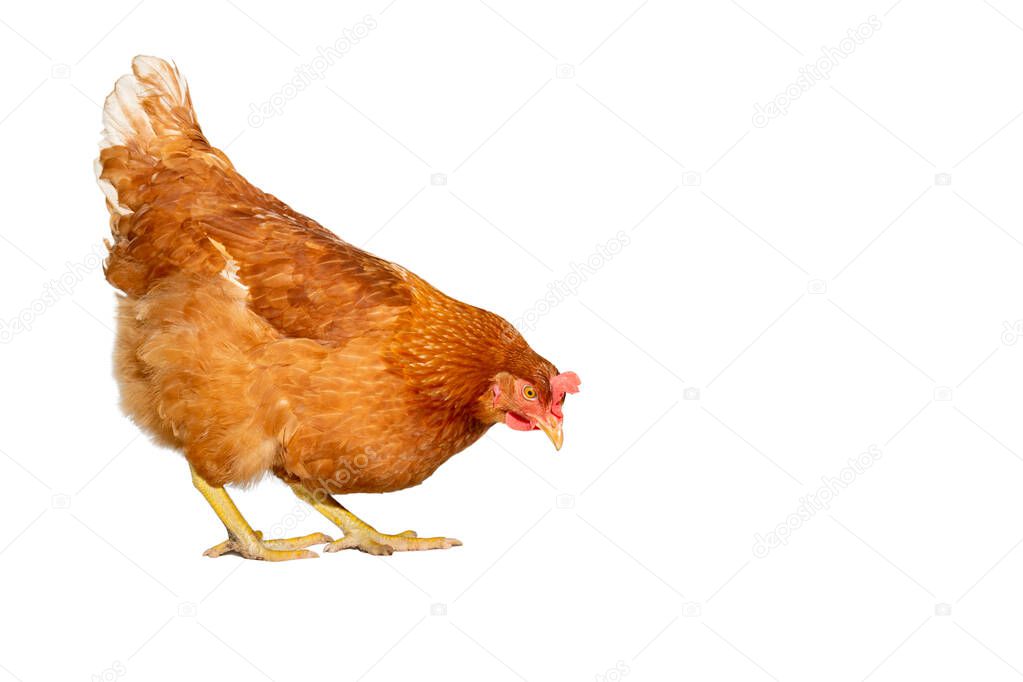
(553, 427)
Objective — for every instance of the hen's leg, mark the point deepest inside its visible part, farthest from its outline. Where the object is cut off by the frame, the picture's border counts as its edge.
(245, 541)
(362, 536)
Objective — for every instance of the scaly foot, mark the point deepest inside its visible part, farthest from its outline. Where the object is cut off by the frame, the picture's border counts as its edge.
(277, 549)
(362, 536)
(372, 541)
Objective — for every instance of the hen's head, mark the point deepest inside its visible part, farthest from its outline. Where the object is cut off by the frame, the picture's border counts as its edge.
(533, 401)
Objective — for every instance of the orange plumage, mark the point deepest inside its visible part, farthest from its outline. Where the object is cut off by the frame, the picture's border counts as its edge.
(254, 340)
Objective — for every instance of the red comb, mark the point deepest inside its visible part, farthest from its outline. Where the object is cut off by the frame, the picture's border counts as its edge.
(566, 382)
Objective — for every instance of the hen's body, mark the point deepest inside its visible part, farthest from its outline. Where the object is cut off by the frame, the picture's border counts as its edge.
(199, 369)
(255, 341)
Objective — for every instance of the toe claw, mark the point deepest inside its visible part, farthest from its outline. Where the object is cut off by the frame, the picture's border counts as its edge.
(219, 549)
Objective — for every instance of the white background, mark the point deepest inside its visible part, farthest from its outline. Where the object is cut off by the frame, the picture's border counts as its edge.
(816, 284)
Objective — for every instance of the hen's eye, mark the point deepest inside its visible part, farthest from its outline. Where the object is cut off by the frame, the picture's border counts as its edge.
(529, 393)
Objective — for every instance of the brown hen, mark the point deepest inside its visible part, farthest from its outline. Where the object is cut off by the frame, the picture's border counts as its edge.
(254, 340)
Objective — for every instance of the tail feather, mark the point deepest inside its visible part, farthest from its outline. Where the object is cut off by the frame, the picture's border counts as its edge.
(147, 117)
(150, 103)
(150, 141)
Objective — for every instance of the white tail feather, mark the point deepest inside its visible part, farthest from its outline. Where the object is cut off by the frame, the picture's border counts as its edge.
(126, 122)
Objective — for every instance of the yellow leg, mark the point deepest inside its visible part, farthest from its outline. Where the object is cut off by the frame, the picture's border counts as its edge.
(245, 541)
(360, 535)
